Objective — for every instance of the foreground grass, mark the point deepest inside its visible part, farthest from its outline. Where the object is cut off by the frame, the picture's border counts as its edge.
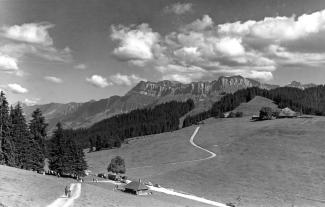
(27, 188)
(103, 195)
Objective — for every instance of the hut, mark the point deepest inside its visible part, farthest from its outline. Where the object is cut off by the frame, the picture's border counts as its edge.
(255, 118)
(287, 113)
(136, 187)
(226, 114)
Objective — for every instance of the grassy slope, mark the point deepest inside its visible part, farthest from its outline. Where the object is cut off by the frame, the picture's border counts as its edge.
(265, 163)
(27, 188)
(103, 195)
(149, 150)
(253, 107)
(20, 188)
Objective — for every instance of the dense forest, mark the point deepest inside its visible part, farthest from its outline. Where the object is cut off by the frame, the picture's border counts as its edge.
(23, 145)
(66, 157)
(308, 101)
(111, 132)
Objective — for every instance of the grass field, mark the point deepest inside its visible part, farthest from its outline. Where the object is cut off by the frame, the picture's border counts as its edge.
(269, 163)
(27, 188)
(150, 150)
(102, 194)
(20, 188)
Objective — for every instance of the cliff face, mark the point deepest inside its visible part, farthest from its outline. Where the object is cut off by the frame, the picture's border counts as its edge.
(222, 85)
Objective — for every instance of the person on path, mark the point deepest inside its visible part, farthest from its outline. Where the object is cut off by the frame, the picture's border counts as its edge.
(67, 191)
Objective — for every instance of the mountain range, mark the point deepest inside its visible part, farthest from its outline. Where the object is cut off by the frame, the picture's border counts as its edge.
(146, 94)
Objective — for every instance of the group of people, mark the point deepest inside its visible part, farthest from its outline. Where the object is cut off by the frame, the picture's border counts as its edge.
(67, 191)
(51, 172)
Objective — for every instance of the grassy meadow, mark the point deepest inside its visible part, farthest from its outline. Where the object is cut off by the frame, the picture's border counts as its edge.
(267, 163)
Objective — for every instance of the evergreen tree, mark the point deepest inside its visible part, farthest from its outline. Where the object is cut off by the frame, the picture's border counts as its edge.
(98, 143)
(21, 138)
(37, 128)
(7, 148)
(65, 156)
(57, 150)
(91, 145)
(78, 164)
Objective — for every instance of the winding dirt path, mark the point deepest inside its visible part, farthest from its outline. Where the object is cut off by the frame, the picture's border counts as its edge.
(64, 201)
(212, 154)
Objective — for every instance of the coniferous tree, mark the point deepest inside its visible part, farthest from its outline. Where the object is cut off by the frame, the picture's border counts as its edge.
(78, 164)
(98, 143)
(21, 137)
(57, 149)
(65, 156)
(7, 148)
(37, 128)
(91, 145)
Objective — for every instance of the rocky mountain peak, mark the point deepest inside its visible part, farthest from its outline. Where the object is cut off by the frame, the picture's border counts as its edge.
(223, 84)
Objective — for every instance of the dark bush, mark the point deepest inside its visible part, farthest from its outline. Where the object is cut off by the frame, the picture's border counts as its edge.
(232, 115)
(117, 165)
(266, 113)
(239, 114)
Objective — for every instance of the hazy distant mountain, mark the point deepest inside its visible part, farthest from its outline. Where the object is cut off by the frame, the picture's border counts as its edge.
(144, 94)
(296, 84)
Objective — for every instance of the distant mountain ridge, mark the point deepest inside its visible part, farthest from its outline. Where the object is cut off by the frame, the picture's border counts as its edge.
(222, 85)
(144, 94)
(296, 84)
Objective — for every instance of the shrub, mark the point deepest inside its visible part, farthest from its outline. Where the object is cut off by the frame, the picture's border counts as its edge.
(266, 113)
(232, 115)
(239, 114)
(276, 113)
(117, 165)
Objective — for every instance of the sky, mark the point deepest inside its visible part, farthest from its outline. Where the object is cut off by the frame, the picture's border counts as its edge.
(79, 50)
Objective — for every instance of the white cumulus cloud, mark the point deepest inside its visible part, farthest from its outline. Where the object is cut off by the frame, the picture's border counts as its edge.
(53, 79)
(183, 74)
(230, 46)
(98, 81)
(200, 24)
(8, 63)
(30, 32)
(128, 80)
(278, 28)
(135, 42)
(16, 88)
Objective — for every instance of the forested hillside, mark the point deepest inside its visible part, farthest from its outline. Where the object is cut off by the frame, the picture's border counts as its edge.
(112, 131)
(308, 101)
(23, 145)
